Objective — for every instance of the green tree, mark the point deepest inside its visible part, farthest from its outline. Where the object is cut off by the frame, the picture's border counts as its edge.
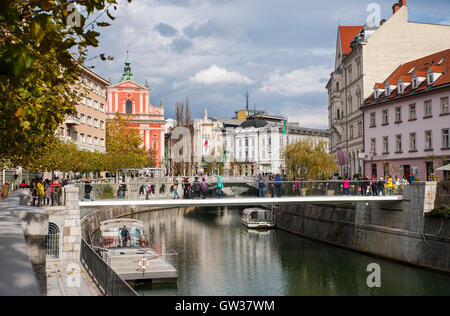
(309, 162)
(37, 41)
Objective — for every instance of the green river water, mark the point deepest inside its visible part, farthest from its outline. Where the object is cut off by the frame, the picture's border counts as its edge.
(217, 255)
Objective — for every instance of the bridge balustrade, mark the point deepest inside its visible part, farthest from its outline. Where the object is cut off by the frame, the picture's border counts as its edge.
(232, 188)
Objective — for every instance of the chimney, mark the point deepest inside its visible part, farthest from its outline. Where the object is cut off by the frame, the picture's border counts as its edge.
(395, 8)
(382, 22)
(402, 3)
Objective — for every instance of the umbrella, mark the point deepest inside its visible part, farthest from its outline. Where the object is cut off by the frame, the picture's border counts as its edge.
(444, 168)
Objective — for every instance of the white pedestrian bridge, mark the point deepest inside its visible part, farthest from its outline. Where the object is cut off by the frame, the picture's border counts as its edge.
(242, 201)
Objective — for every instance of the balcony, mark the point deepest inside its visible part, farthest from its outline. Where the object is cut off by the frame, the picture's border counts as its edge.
(72, 120)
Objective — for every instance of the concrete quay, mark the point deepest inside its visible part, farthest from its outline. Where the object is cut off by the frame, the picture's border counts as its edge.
(22, 238)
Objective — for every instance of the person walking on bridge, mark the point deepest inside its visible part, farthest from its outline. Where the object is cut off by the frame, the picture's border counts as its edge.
(346, 185)
(203, 188)
(278, 183)
(220, 187)
(262, 187)
(175, 189)
(389, 186)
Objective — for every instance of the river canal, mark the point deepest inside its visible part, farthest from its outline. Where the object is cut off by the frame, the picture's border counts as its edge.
(217, 255)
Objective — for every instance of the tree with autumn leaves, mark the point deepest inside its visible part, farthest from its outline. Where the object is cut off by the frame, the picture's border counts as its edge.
(124, 150)
(42, 43)
(308, 161)
(124, 146)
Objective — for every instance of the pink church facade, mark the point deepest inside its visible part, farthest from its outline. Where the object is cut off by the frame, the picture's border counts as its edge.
(131, 99)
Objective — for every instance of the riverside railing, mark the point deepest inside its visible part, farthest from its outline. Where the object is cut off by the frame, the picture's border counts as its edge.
(108, 281)
(165, 190)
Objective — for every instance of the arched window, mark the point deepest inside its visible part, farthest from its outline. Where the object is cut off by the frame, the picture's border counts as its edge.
(129, 107)
(52, 242)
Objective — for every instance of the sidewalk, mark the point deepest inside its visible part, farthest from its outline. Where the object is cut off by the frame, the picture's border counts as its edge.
(16, 274)
(17, 277)
(69, 279)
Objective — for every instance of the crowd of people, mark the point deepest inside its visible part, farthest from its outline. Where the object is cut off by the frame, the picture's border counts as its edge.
(195, 190)
(377, 186)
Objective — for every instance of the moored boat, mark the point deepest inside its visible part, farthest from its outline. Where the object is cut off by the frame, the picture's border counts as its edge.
(257, 218)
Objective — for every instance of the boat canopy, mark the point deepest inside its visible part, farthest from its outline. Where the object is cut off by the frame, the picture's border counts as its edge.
(256, 214)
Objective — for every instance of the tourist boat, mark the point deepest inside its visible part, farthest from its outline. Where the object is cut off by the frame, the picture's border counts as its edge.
(110, 233)
(257, 218)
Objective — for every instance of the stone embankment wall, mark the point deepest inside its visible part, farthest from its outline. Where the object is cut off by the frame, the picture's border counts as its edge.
(400, 231)
(91, 218)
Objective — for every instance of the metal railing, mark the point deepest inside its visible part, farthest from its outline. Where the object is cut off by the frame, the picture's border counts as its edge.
(160, 190)
(106, 278)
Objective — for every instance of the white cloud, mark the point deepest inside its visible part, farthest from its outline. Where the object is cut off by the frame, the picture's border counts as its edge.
(298, 82)
(215, 74)
(307, 116)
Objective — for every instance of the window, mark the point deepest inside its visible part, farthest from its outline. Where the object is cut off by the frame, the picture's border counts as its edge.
(89, 102)
(351, 131)
(445, 138)
(337, 86)
(95, 141)
(373, 122)
(102, 125)
(89, 139)
(102, 142)
(398, 143)
(350, 77)
(350, 104)
(385, 145)
(373, 146)
(360, 129)
(444, 105)
(412, 112)
(428, 109)
(96, 105)
(89, 121)
(385, 117)
(428, 140)
(412, 142)
(102, 107)
(398, 115)
(82, 118)
(95, 123)
(358, 67)
(129, 108)
(82, 138)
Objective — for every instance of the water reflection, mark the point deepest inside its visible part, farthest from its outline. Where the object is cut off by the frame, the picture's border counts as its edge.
(219, 256)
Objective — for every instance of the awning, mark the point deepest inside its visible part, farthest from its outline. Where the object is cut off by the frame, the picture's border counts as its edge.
(444, 168)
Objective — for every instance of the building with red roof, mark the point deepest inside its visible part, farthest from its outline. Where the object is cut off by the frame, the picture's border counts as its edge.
(365, 58)
(407, 124)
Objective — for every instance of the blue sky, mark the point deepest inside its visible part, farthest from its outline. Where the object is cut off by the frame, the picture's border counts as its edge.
(213, 50)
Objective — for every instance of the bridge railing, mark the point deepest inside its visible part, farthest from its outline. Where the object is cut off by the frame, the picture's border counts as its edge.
(106, 278)
(165, 190)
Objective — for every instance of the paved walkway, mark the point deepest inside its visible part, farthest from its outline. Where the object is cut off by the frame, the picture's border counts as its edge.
(17, 277)
(16, 273)
(69, 278)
